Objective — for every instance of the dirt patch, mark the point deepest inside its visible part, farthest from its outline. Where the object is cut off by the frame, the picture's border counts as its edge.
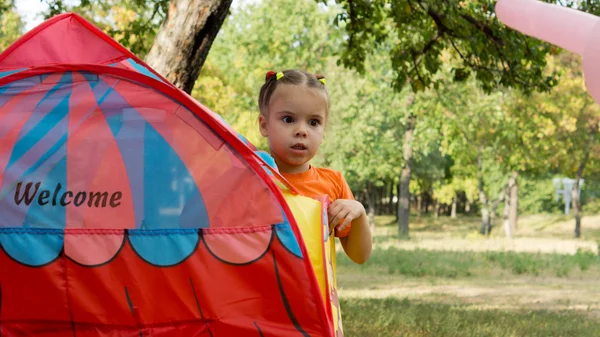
(518, 294)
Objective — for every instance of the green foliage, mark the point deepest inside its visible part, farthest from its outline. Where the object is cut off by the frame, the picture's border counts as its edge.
(431, 168)
(555, 127)
(364, 132)
(258, 37)
(11, 25)
(537, 195)
(133, 24)
(460, 113)
(423, 30)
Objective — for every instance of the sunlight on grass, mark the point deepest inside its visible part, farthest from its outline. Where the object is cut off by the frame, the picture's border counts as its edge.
(448, 280)
(395, 317)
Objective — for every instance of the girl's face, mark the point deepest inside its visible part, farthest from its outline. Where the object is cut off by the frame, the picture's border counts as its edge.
(294, 126)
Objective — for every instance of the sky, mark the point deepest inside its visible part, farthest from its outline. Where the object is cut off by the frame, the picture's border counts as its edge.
(30, 12)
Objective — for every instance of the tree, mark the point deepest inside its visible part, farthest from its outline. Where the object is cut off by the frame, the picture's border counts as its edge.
(183, 41)
(181, 31)
(563, 126)
(484, 48)
(430, 33)
(367, 116)
(245, 51)
(11, 25)
(474, 129)
(133, 24)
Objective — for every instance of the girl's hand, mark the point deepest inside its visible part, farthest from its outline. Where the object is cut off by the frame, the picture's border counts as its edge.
(348, 210)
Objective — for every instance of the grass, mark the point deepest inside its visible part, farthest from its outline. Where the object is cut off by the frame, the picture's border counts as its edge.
(456, 264)
(446, 280)
(396, 317)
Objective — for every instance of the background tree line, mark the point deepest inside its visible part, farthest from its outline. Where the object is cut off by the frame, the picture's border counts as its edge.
(437, 108)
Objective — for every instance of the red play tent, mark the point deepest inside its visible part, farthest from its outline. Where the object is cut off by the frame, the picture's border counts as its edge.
(129, 209)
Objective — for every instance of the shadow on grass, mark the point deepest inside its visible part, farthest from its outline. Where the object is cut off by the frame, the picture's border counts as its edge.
(395, 317)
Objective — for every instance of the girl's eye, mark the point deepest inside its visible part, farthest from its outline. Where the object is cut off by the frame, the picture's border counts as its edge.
(288, 119)
(314, 122)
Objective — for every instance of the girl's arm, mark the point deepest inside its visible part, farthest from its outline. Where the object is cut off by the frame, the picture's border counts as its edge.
(358, 243)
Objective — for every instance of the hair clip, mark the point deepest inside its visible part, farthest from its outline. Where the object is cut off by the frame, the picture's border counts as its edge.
(279, 75)
(320, 78)
(269, 75)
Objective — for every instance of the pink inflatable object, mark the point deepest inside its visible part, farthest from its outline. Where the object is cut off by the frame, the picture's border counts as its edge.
(564, 27)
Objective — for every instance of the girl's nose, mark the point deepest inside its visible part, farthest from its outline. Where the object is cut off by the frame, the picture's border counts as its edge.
(301, 132)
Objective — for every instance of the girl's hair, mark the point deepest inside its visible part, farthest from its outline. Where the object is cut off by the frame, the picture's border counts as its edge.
(295, 77)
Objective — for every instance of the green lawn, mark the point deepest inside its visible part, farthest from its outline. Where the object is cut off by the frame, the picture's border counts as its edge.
(396, 317)
(460, 292)
(460, 264)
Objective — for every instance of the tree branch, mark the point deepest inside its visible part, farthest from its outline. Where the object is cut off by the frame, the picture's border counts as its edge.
(352, 19)
(483, 28)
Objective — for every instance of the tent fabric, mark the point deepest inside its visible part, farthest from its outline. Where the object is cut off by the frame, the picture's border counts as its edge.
(129, 209)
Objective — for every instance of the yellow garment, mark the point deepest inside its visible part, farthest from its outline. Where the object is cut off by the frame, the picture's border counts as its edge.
(311, 216)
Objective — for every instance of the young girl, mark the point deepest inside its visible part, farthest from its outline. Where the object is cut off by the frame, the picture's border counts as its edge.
(294, 109)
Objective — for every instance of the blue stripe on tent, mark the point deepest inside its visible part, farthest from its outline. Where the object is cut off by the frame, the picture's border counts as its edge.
(286, 236)
(163, 191)
(35, 130)
(139, 68)
(12, 89)
(130, 140)
(4, 95)
(101, 91)
(164, 198)
(164, 247)
(90, 77)
(32, 246)
(48, 212)
(10, 72)
(39, 131)
(142, 70)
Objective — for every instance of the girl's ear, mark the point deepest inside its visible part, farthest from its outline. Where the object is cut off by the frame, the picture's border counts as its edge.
(262, 125)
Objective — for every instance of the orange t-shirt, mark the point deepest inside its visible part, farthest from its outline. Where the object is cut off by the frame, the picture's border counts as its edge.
(317, 182)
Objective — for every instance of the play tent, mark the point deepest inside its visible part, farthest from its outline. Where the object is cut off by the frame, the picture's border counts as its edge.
(129, 209)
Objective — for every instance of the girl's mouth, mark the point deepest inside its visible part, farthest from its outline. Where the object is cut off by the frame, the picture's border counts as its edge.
(299, 147)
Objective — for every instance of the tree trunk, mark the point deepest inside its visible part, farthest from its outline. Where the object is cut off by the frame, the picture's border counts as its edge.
(380, 198)
(453, 211)
(436, 211)
(419, 204)
(508, 229)
(577, 206)
(405, 176)
(514, 201)
(370, 204)
(397, 203)
(404, 200)
(468, 207)
(495, 205)
(182, 43)
(575, 194)
(391, 199)
(485, 213)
